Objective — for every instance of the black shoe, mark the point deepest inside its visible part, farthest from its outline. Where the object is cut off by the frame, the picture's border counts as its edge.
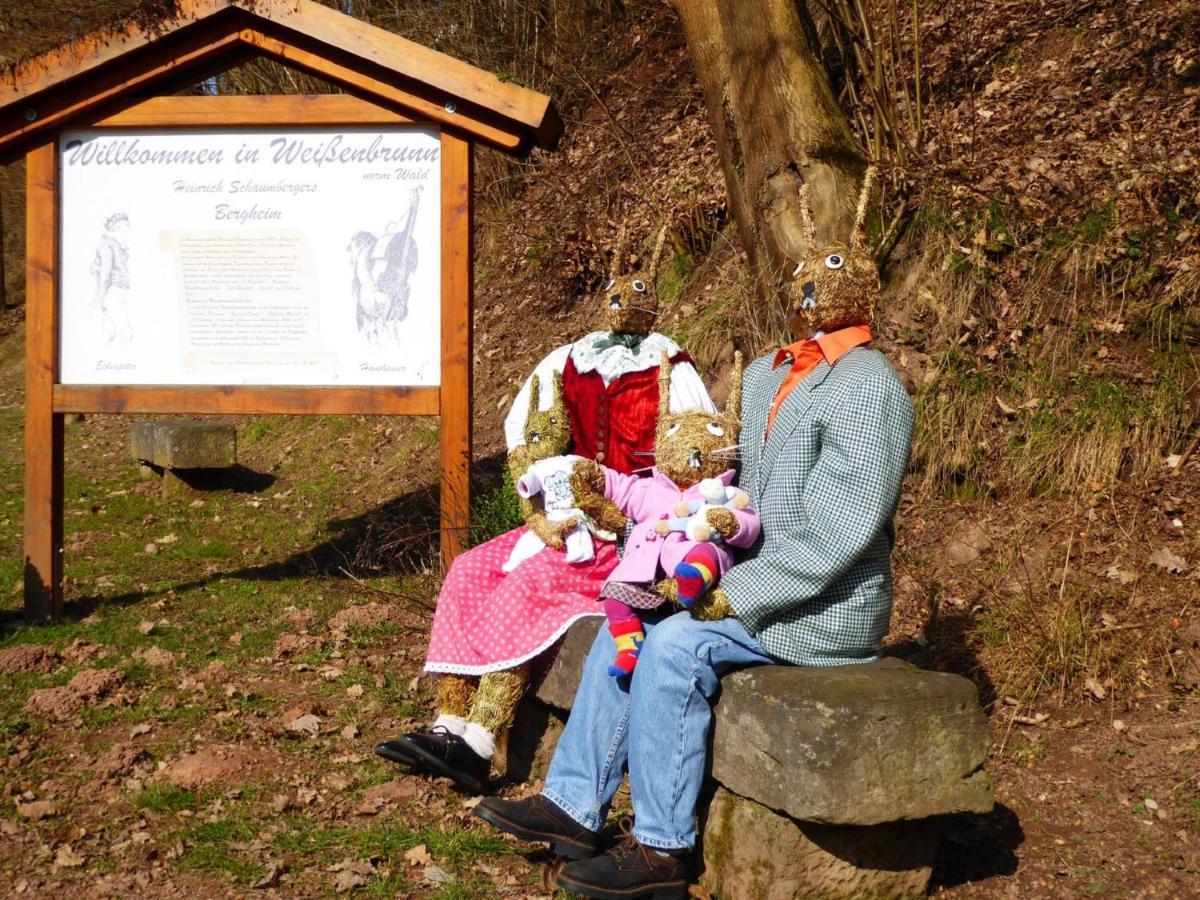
(538, 819)
(395, 752)
(629, 870)
(438, 751)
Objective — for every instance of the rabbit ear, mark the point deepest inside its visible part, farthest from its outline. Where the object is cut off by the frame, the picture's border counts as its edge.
(656, 259)
(614, 265)
(557, 402)
(858, 235)
(733, 406)
(806, 218)
(535, 395)
(664, 389)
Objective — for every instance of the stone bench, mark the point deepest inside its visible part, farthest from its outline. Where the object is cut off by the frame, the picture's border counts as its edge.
(828, 782)
(173, 446)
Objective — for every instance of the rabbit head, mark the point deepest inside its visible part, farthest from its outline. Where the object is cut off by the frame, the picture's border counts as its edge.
(629, 300)
(693, 445)
(837, 285)
(547, 431)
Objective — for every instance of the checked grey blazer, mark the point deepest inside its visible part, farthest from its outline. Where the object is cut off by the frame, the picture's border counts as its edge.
(817, 589)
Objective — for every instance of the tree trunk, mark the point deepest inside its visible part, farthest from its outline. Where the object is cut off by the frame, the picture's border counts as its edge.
(777, 126)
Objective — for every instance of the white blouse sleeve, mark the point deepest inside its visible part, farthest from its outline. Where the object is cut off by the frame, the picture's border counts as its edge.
(514, 422)
(688, 391)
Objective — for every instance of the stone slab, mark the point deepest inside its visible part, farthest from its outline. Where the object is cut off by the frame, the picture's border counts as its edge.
(185, 445)
(752, 853)
(852, 745)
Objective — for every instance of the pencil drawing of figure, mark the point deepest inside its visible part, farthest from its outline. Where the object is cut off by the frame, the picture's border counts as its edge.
(110, 267)
(382, 270)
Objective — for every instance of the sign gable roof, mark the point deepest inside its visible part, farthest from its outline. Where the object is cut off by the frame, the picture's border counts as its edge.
(203, 37)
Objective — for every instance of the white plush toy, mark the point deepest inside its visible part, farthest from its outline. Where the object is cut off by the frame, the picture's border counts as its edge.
(690, 515)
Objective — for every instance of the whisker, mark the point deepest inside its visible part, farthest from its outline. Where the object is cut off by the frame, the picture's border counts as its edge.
(642, 469)
(643, 452)
(653, 312)
(730, 447)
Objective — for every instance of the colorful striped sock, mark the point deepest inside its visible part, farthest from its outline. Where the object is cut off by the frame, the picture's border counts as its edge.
(629, 637)
(696, 574)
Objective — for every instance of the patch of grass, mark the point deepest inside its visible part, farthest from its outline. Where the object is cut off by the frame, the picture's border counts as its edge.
(1191, 812)
(388, 840)
(12, 726)
(1064, 430)
(166, 798)
(1096, 222)
(674, 277)
(215, 857)
(494, 511)
(205, 548)
(207, 847)
(256, 430)
(1033, 642)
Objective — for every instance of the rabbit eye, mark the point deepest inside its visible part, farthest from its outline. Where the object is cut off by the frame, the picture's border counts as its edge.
(799, 268)
(715, 429)
(554, 421)
(640, 287)
(673, 430)
(608, 284)
(834, 261)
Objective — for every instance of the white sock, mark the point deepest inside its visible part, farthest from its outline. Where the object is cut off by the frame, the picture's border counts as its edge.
(453, 724)
(480, 740)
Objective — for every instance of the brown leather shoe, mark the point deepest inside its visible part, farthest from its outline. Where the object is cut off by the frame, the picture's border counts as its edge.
(630, 870)
(538, 819)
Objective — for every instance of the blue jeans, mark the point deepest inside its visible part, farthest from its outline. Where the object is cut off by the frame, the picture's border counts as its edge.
(654, 724)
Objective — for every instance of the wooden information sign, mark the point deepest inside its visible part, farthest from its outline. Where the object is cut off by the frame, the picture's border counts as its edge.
(249, 255)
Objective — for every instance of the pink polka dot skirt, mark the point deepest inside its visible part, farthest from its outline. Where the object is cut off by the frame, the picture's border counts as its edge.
(487, 621)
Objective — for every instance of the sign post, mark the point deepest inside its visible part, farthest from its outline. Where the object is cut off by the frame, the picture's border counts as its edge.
(250, 255)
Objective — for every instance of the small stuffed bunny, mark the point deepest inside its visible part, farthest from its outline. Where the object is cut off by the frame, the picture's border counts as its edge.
(691, 517)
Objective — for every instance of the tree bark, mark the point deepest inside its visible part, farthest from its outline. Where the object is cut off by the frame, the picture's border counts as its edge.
(777, 125)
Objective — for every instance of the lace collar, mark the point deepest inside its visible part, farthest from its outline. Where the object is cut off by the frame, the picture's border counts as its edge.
(613, 362)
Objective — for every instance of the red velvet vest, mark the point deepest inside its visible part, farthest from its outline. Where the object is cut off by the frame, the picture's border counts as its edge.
(614, 425)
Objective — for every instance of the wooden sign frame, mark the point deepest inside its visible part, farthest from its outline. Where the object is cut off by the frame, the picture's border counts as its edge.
(47, 401)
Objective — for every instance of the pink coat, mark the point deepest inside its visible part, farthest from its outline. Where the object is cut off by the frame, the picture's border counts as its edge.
(647, 501)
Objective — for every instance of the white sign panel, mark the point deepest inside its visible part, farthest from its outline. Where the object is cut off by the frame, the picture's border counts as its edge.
(307, 256)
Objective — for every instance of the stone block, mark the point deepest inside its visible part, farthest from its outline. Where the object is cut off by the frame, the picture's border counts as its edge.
(852, 745)
(752, 853)
(557, 687)
(185, 445)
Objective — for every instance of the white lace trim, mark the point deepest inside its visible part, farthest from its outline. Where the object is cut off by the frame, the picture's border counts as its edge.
(452, 669)
(613, 362)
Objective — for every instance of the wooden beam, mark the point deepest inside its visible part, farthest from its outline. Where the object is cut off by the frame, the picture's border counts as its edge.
(43, 426)
(21, 125)
(532, 111)
(267, 111)
(457, 343)
(93, 51)
(325, 66)
(47, 91)
(247, 400)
